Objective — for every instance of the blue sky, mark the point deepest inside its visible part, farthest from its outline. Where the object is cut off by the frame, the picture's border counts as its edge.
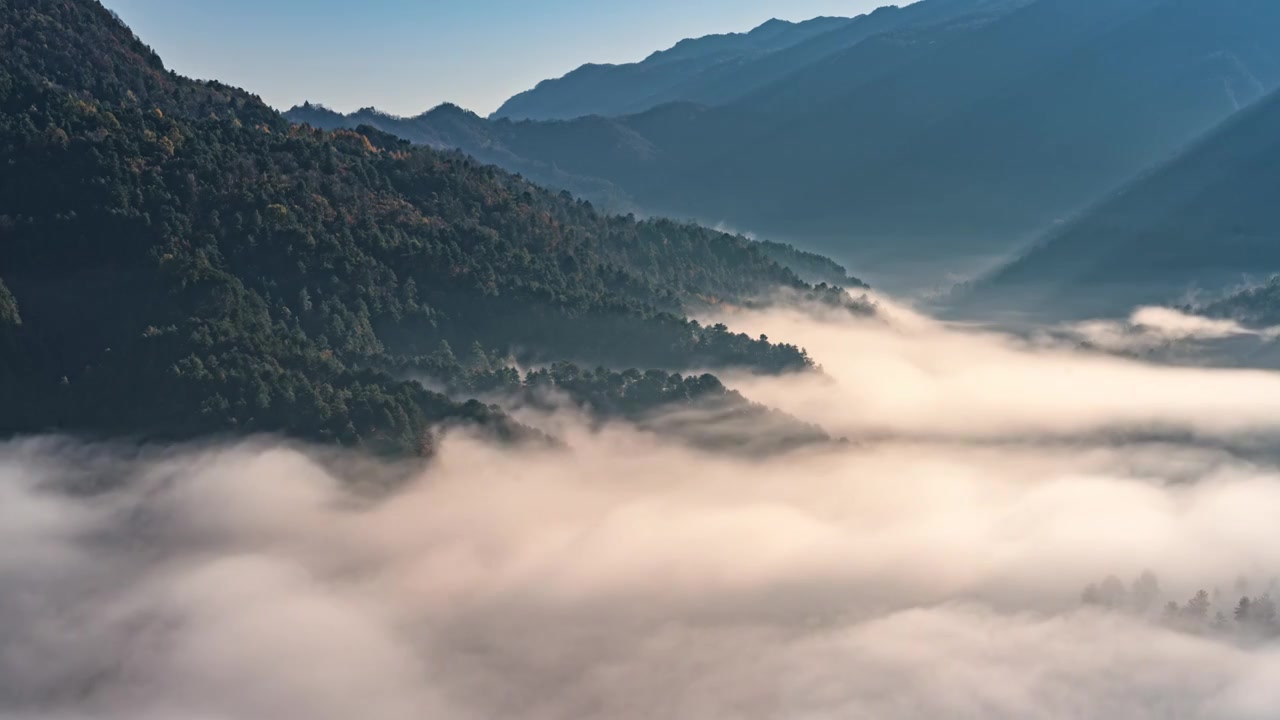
(406, 56)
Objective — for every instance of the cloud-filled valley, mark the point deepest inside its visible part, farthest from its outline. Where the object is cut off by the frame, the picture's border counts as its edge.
(931, 566)
(317, 416)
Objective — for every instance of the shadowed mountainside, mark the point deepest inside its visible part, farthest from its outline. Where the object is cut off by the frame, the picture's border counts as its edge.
(955, 133)
(1206, 220)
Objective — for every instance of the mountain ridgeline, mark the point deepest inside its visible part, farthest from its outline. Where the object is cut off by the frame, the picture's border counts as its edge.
(665, 76)
(718, 69)
(947, 132)
(427, 130)
(177, 259)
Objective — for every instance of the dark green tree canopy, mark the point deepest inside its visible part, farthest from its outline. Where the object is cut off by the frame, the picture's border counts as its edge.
(189, 262)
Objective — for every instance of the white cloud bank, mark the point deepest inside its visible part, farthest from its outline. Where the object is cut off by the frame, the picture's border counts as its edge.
(1150, 328)
(932, 572)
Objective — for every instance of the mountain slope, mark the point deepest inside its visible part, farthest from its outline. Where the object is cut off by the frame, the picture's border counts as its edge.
(720, 69)
(449, 126)
(660, 78)
(499, 143)
(759, 84)
(1202, 221)
(177, 260)
(980, 136)
(954, 137)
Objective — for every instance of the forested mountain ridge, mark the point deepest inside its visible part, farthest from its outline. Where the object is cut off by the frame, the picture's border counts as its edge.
(957, 136)
(177, 259)
(449, 126)
(1204, 221)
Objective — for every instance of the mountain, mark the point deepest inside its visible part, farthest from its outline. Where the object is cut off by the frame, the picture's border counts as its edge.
(449, 126)
(719, 69)
(1203, 221)
(660, 78)
(951, 136)
(178, 260)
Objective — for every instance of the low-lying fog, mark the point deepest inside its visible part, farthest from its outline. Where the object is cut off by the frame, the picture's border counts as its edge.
(931, 567)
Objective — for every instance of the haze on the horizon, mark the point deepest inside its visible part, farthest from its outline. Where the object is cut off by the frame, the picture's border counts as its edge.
(405, 57)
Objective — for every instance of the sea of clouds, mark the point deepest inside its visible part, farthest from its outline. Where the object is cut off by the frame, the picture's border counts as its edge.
(930, 567)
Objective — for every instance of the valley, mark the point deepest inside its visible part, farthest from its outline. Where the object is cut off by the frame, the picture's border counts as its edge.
(913, 364)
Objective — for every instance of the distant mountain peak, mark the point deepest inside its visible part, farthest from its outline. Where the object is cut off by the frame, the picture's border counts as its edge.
(313, 112)
(775, 25)
(448, 108)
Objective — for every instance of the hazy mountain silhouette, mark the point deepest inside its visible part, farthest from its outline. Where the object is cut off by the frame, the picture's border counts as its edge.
(1206, 220)
(955, 133)
(719, 69)
(660, 78)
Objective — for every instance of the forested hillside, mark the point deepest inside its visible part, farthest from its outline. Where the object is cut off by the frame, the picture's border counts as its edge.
(443, 126)
(177, 259)
(697, 409)
(1208, 219)
(449, 127)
